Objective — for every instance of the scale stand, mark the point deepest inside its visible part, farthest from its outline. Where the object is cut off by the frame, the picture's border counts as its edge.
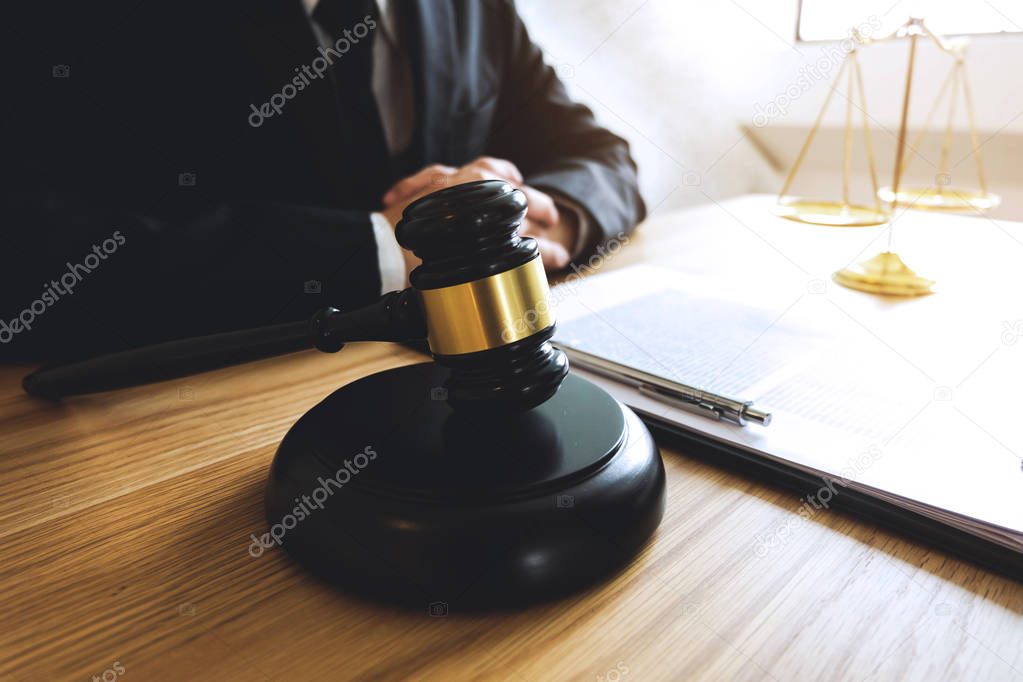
(843, 213)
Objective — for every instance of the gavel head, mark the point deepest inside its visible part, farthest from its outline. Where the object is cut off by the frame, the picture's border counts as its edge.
(484, 296)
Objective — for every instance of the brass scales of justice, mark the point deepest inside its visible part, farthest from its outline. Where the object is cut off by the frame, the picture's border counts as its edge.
(886, 273)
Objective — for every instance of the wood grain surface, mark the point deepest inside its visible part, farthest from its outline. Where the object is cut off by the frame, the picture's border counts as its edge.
(125, 522)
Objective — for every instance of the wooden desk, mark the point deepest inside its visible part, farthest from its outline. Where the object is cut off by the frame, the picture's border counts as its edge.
(125, 521)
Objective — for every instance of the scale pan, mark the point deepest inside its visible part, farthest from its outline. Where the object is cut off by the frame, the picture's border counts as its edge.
(941, 198)
(830, 213)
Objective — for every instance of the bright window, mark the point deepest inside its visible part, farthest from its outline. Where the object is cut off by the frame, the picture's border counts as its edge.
(832, 19)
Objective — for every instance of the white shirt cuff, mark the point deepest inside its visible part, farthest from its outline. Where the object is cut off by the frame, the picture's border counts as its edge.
(389, 257)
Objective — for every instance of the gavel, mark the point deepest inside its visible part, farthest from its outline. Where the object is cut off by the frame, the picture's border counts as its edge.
(521, 482)
(480, 299)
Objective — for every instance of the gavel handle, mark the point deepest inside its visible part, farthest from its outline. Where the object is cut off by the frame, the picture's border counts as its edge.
(397, 316)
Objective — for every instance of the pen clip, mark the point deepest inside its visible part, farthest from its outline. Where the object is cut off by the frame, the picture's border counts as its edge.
(687, 402)
(734, 411)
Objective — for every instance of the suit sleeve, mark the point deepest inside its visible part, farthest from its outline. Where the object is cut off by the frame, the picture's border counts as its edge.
(559, 145)
(81, 278)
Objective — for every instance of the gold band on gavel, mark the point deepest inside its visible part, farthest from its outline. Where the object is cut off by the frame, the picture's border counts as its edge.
(489, 312)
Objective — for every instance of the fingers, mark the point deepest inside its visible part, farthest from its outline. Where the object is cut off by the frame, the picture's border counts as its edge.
(472, 173)
(554, 255)
(502, 168)
(531, 228)
(487, 168)
(438, 175)
(435, 175)
(541, 215)
(542, 208)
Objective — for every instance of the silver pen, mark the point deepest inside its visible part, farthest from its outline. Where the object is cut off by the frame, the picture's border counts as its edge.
(676, 394)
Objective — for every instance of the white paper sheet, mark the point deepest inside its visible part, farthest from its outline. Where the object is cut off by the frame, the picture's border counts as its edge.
(851, 397)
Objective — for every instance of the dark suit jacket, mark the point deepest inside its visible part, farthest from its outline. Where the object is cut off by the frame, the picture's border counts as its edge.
(219, 224)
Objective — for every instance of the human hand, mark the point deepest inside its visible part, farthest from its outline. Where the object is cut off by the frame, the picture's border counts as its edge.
(555, 234)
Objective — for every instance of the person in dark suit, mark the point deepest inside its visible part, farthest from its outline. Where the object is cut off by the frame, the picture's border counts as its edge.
(188, 168)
